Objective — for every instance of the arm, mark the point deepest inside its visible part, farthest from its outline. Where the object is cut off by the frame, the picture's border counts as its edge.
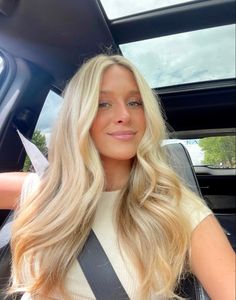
(213, 260)
(10, 188)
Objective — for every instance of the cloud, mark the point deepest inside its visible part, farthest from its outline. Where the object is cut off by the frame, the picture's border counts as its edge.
(186, 57)
(49, 114)
(119, 8)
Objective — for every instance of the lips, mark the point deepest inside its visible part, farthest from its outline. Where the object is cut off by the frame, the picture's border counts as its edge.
(123, 135)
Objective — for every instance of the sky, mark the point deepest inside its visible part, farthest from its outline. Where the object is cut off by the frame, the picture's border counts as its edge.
(119, 8)
(187, 57)
(49, 114)
(181, 58)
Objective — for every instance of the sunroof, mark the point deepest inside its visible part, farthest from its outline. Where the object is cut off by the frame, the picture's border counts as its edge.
(120, 8)
(189, 57)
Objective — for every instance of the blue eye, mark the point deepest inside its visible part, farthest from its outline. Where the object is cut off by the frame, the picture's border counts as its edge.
(104, 104)
(135, 103)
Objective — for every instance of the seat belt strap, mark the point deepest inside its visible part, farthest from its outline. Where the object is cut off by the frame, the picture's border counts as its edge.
(99, 272)
(93, 260)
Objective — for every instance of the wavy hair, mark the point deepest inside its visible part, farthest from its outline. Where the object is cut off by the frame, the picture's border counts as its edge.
(52, 225)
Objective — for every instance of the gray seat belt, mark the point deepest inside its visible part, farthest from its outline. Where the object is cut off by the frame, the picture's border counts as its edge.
(93, 260)
(99, 272)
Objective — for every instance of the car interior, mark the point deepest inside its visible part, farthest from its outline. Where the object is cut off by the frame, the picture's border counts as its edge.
(186, 51)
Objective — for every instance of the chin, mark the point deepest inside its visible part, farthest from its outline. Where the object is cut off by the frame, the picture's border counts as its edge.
(119, 156)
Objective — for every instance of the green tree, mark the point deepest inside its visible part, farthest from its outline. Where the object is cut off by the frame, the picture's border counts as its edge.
(219, 151)
(40, 141)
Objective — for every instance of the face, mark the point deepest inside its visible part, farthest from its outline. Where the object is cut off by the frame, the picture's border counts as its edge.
(120, 121)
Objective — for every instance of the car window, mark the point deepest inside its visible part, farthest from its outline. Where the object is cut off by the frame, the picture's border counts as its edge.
(49, 114)
(213, 152)
(47, 117)
(198, 56)
(1, 66)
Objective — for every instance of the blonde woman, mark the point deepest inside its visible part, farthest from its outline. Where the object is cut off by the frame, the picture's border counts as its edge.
(107, 171)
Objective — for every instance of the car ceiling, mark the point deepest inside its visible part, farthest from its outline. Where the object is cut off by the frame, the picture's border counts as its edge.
(55, 36)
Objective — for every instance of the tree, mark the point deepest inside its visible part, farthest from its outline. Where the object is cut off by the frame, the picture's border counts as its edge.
(40, 141)
(219, 151)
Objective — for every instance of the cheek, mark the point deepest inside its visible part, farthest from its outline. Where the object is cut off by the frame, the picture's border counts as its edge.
(96, 127)
(142, 122)
(93, 129)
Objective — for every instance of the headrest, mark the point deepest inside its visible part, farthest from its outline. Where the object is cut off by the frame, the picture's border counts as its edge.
(180, 161)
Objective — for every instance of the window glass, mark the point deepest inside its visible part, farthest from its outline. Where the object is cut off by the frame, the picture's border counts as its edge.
(47, 118)
(189, 57)
(213, 152)
(1, 65)
(49, 114)
(120, 8)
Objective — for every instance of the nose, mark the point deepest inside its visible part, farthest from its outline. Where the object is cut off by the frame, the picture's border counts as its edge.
(122, 114)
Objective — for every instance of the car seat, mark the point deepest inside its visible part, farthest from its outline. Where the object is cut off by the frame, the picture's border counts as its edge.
(180, 161)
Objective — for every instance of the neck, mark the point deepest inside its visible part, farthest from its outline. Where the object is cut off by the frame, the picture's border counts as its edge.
(117, 173)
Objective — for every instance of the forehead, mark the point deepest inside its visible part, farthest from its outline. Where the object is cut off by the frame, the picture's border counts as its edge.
(117, 76)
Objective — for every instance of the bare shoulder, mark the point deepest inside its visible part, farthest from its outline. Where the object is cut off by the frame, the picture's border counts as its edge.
(213, 259)
(10, 188)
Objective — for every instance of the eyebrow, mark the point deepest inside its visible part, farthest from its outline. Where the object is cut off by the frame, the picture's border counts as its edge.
(132, 92)
(105, 92)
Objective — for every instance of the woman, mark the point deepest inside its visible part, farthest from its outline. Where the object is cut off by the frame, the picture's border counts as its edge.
(107, 171)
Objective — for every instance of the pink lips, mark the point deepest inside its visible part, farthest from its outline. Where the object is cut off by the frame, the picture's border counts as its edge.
(123, 135)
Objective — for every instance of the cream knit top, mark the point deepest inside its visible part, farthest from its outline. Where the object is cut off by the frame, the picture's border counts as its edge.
(104, 229)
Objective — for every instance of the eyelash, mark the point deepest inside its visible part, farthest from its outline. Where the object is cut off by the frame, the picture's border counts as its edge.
(104, 105)
(135, 103)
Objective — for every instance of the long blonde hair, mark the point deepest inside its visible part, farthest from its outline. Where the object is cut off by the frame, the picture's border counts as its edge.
(53, 224)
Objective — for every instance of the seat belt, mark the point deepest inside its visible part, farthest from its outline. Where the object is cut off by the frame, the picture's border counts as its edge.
(93, 260)
(99, 272)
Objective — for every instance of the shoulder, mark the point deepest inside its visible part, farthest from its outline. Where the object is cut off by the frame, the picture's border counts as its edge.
(213, 259)
(195, 209)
